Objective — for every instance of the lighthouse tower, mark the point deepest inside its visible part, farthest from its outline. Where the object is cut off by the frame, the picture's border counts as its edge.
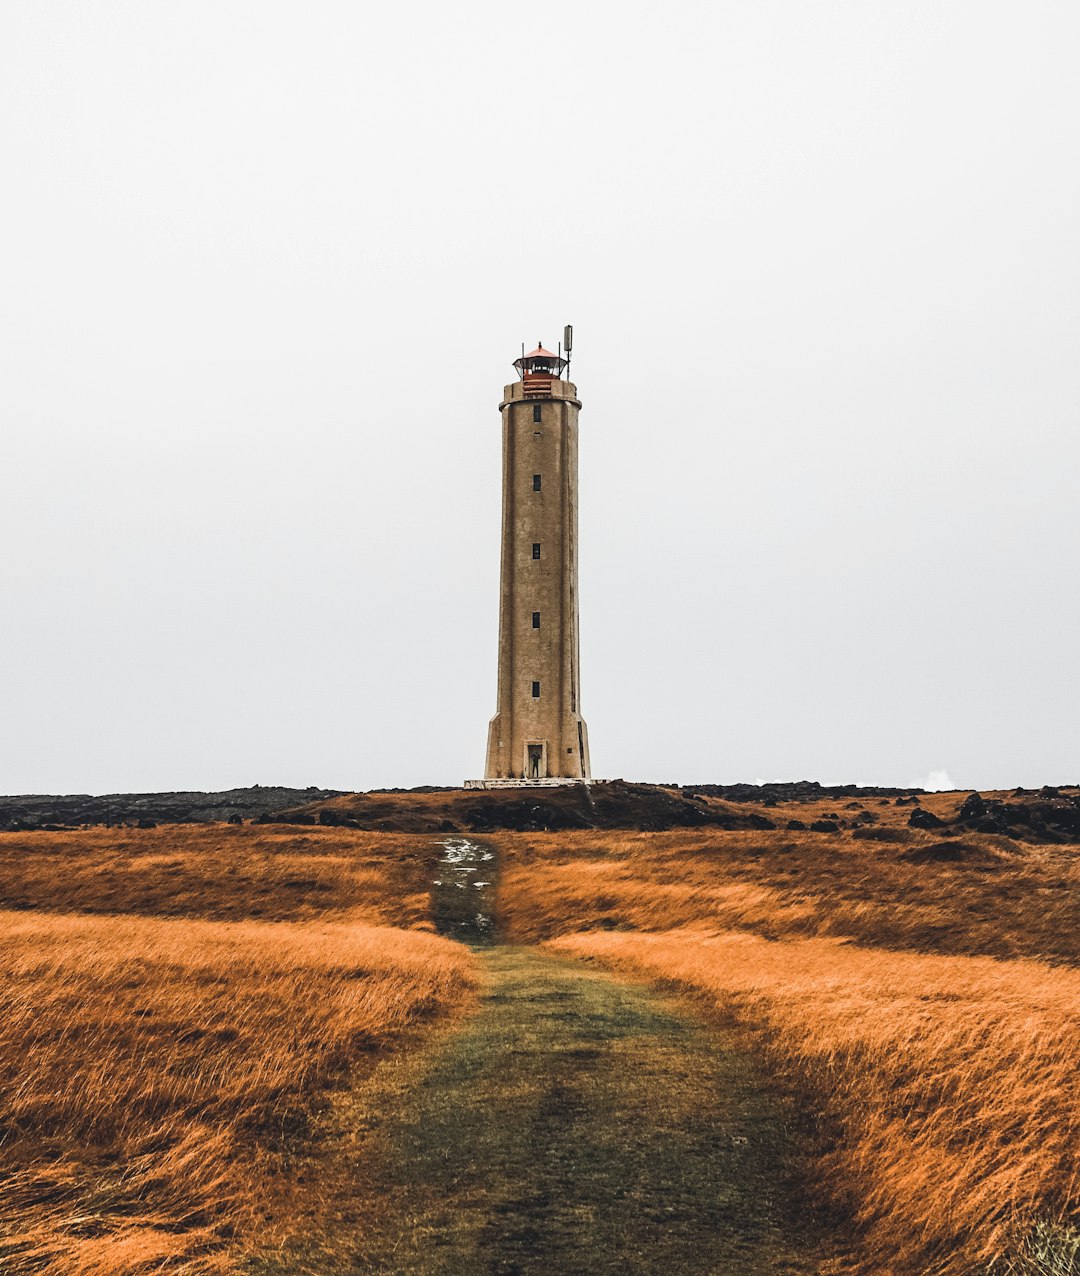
(538, 733)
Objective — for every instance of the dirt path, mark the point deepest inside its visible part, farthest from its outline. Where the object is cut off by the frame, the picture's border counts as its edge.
(576, 1124)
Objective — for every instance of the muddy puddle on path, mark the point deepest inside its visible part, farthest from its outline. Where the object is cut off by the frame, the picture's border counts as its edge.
(463, 892)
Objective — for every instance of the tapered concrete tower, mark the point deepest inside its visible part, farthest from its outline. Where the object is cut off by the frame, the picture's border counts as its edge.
(538, 732)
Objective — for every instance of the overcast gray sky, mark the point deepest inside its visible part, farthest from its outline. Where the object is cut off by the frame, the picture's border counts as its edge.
(264, 269)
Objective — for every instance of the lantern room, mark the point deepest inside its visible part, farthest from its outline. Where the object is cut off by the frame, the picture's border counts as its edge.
(538, 369)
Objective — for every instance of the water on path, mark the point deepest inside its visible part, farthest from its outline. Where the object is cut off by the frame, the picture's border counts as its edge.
(463, 891)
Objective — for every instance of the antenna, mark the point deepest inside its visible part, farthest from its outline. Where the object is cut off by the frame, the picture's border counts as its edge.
(568, 342)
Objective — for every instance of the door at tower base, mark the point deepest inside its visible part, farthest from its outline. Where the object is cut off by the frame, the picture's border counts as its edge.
(538, 733)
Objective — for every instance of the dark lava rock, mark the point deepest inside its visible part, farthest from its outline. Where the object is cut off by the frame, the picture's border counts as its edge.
(1065, 818)
(605, 804)
(615, 804)
(993, 821)
(921, 819)
(794, 791)
(974, 806)
(1038, 819)
(523, 816)
(236, 818)
(182, 807)
(286, 817)
(337, 819)
(824, 826)
(795, 825)
(1041, 820)
(147, 824)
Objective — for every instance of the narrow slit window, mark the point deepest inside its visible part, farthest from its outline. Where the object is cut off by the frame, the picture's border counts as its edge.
(536, 482)
(536, 691)
(536, 620)
(536, 549)
(536, 412)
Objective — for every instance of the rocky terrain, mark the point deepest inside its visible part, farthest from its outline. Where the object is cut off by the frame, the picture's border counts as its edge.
(48, 811)
(1034, 815)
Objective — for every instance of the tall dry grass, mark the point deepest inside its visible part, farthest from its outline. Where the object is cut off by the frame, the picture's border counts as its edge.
(156, 1074)
(955, 1079)
(220, 872)
(927, 1008)
(999, 898)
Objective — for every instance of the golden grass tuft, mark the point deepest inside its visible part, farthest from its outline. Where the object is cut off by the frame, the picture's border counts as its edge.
(157, 1074)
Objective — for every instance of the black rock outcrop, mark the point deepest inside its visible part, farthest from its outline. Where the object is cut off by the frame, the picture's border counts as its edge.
(923, 819)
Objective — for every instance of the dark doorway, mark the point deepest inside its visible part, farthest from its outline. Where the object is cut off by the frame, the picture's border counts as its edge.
(536, 759)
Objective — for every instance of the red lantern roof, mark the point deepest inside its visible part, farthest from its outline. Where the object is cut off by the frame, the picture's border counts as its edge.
(541, 363)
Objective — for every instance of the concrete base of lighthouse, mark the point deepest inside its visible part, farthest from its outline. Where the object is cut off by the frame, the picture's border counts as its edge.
(548, 782)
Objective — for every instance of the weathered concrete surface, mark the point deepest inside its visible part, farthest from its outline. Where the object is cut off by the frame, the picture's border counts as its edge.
(539, 696)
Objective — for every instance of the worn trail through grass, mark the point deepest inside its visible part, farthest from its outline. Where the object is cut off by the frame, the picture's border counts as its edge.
(577, 1123)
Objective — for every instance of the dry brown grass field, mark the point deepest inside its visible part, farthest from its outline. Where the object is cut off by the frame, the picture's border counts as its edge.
(180, 1003)
(921, 993)
(220, 872)
(158, 1072)
(999, 898)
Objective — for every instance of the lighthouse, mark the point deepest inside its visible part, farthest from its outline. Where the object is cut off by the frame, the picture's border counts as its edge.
(538, 734)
